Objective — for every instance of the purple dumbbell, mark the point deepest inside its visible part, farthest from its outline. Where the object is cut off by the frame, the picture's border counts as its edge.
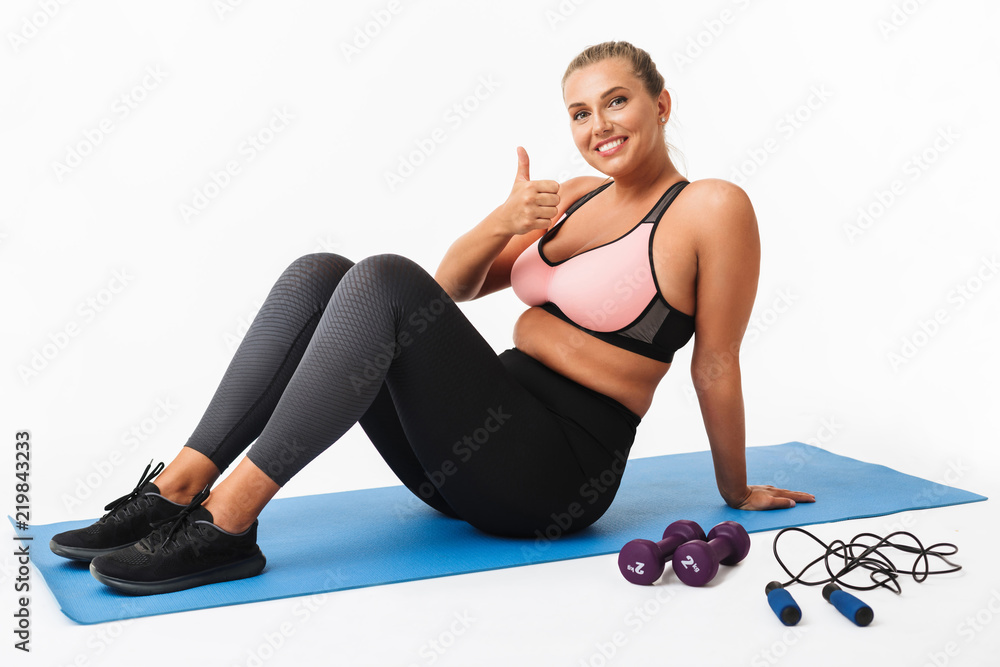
(642, 561)
(696, 563)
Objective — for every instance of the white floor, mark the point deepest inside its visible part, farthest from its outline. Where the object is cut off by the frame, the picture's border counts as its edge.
(163, 162)
(581, 612)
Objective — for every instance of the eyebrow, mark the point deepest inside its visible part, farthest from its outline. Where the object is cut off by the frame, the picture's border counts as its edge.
(606, 93)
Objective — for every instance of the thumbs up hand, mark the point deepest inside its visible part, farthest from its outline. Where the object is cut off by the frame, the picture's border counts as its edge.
(531, 204)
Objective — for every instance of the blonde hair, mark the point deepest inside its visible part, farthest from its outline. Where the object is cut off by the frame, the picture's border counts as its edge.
(643, 67)
(639, 61)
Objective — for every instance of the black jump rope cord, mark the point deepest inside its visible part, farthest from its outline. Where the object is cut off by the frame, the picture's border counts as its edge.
(870, 556)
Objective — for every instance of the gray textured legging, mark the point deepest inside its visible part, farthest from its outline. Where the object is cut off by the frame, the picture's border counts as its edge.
(477, 436)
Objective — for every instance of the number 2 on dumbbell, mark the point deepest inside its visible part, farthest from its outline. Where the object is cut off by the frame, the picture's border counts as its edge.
(642, 561)
(689, 562)
(697, 562)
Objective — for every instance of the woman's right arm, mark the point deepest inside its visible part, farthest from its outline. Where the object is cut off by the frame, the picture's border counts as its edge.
(470, 268)
(479, 262)
(465, 268)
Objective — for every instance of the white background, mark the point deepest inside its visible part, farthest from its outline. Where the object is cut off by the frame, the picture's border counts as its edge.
(815, 109)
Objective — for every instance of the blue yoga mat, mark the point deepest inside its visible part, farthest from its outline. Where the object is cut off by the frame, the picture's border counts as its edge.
(351, 539)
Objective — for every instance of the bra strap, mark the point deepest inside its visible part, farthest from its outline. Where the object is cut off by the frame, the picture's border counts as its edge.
(668, 197)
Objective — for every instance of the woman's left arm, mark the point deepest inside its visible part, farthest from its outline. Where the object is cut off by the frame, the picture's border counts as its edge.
(728, 265)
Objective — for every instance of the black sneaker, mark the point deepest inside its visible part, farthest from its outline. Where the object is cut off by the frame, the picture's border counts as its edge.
(182, 553)
(127, 521)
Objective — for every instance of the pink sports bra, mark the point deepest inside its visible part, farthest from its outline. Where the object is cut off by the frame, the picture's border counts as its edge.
(610, 291)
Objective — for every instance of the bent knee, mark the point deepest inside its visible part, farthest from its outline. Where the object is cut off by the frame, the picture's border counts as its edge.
(391, 272)
(388, 263)
(320, 270)
(320, 263)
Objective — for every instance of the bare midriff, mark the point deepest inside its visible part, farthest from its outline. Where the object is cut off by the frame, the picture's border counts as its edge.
(627, 377)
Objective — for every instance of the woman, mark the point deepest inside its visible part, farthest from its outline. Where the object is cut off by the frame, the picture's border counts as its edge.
(503, 442)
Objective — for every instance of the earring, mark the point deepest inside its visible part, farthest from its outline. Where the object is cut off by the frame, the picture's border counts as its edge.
(662, 119)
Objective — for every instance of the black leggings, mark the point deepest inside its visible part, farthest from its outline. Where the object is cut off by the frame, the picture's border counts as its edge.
(500, 441)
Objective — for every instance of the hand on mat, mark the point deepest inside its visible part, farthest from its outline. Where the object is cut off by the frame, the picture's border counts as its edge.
(767, 497)
(531, 204)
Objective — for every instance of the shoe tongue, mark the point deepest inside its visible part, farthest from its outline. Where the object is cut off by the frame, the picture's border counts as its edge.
(150, 487)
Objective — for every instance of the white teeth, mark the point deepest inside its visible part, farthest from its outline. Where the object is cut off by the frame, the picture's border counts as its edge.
(606, 147)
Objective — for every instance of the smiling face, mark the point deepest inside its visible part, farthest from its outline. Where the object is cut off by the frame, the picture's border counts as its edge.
(615, 121)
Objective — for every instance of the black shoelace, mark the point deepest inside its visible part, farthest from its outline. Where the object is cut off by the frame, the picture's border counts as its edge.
(134, 494)
(161, 536)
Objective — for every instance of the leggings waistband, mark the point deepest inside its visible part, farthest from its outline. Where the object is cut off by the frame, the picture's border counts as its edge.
(601, 417)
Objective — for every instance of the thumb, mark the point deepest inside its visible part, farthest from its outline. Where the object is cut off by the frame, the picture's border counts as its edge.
(522, 165)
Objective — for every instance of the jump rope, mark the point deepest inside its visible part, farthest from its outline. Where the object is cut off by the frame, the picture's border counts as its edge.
(857, 554)
(696, 559)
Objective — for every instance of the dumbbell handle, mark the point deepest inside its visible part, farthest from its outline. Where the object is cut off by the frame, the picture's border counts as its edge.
(668, 545)
(723, 547)
(642, 561)
(697, 563)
